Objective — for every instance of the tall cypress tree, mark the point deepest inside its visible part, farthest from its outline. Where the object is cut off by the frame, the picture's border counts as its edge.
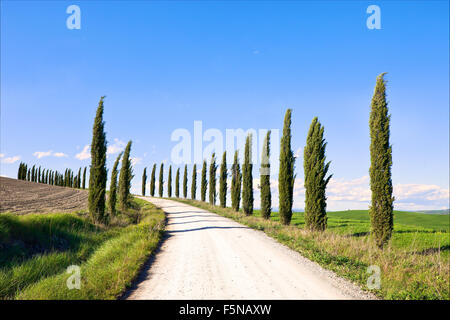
(33, 173)
(161, 180)
(177, 183)
(236, 180)
(286, 173)
(194, 182)
(84, 178)
(144, 181)
(98, 173)
(152, 181)
(381, 209)
(39, 175)
(169, 183)
(204, 182)
(315, 180)
(185, 181)
(266, 196)
(113, 186)
(212, 180)
(247, 178)
(79, 178)
(223, 181)
(125, 176)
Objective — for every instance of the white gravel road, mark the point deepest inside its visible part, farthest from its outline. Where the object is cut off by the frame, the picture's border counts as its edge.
(206, 256)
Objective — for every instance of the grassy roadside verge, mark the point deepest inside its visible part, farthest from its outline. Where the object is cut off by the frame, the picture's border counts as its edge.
(413, 266)
(37, 249)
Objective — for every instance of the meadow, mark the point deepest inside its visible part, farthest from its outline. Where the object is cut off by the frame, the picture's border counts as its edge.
(36, 249)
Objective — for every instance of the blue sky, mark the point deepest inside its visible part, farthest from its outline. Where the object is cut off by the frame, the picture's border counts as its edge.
(164, 65)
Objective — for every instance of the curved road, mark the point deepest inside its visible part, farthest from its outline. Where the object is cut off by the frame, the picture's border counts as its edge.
(206, 256)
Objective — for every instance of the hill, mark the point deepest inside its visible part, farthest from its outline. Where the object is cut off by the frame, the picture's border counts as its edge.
(22, 197)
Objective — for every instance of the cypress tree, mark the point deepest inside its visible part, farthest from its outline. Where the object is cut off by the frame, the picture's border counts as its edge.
(161, 180)
(315, 180)
(185, 181)
(152, 181)
(32, 173)
(125, 176)
(84, 178)
(177, 183)
(223, 181)
(19, 172)
(212, 180)
(286, 173)
(204, 183)
(39, 175)
(29, 175)
(98, 173)
(169, 183)
(266, 196)
(113, 186)
(79, 178)
(194, 182)
(144, 181)
(247, 178)
(381, 209)
(236, 180)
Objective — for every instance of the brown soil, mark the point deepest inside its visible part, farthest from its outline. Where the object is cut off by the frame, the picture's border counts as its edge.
(21, 197)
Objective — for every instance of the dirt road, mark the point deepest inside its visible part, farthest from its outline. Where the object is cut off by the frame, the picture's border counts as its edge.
(206, 256)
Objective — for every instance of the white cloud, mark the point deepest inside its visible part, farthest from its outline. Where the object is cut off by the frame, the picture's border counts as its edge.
(59, 154)
(9, 160)
(2, 155)
(136, 160)
(84, 154)
(116, 147)
(42, 154)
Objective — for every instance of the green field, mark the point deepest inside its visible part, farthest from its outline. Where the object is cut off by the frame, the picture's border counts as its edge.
(414, 265)
(36, 249)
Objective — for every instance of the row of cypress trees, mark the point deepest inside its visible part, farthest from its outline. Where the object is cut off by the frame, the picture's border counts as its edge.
(52, 177)
(119, 191)
(316, 176)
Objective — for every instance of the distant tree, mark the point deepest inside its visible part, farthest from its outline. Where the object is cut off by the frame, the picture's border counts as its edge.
(212, 180)
(185, 181)
(84, 178)
(33, 173)
(286, 172)
(144, 181)
(204, 182)
(223, 175)
(39, 175)
(152, 181)
(98, 173)
(266, 196)
(125, 176)
(315, 178)
(236, 180)
(79, 178)
(177, 183)
(194, 182)
(381, 209)
(29, 175)
(169, 183)
(161, 180)
(247, 178)
(113, 186)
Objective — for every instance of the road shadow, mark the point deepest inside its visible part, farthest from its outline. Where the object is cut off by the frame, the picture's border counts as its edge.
(194, 221)
(204, 228)
(192, 216)
(434, 250)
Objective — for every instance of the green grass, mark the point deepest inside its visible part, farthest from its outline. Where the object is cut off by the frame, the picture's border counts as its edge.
(35, 251)
(415, 264)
